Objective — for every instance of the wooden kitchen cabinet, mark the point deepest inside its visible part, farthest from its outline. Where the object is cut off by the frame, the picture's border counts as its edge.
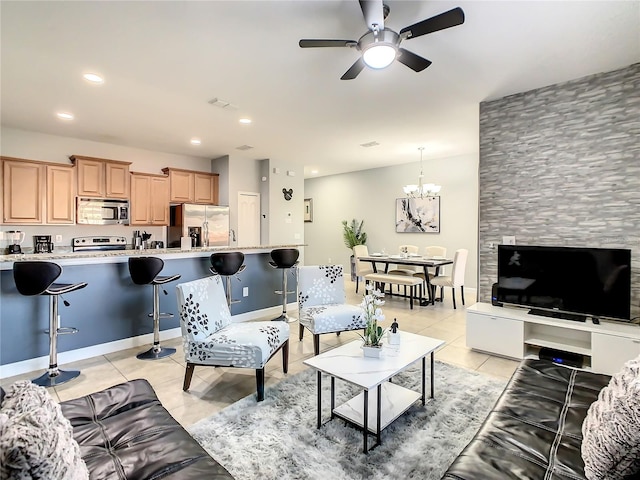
(149, 199)
(61, 190)
(101, 177)
(23, 191)
(37, 192)
(205, 188)
(189, 186)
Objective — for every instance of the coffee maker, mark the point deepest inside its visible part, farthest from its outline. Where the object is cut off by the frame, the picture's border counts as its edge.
(16, 237)
(196, 236)
(42, 244)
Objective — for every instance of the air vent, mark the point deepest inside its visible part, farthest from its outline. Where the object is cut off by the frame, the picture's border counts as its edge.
(218, 102)
(370, 144)
(244, 147)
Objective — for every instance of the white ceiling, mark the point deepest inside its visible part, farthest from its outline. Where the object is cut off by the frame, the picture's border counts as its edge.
(163, 61)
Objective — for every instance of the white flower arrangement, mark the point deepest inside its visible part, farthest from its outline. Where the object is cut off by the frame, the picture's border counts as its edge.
(371, 303)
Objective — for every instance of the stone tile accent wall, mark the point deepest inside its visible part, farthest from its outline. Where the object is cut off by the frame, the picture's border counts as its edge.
(560, 165)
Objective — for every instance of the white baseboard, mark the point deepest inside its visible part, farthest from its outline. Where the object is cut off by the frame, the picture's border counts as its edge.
(42, 363)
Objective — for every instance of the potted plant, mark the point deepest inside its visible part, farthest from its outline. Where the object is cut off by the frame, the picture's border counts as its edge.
(353, 235)
(372, 313)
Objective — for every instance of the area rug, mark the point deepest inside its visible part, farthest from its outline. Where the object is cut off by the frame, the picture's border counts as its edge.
(278, 438)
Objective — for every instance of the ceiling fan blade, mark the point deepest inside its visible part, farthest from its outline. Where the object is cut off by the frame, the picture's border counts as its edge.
(373, 13)
(309, 43)
(413, 61)
(355, 69)
(439, 22)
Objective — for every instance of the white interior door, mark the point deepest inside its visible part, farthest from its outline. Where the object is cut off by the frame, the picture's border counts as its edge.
(248, 219)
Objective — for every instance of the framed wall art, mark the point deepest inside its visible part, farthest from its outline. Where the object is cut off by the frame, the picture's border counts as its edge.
(308, 210)
(418, 215)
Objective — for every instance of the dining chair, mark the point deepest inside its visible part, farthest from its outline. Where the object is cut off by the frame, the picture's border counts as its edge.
(456, 279)
(362, 268)
(409, 270)
(430, 252)
(322, 303)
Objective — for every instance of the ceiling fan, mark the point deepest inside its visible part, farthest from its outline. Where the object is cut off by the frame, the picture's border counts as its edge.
(380, 46)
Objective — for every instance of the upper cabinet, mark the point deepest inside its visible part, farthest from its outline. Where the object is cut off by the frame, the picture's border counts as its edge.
(149, 199)
(24, 185)
(189, 186)
(37, 192)
(101, 177)
(61, 192)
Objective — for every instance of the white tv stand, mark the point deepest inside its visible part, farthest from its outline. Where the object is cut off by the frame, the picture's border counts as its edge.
(512, 332)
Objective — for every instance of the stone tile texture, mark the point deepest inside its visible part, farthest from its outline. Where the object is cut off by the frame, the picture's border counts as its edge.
(560, 166)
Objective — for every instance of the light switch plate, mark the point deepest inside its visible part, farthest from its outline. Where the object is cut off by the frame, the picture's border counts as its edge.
(245, 291)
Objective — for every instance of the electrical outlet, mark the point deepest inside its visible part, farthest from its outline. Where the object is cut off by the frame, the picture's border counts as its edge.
(58, 238)
(245, 291)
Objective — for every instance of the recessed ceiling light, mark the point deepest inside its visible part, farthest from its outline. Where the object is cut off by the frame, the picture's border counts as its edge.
(93, 78)
(195, 141)
(245, 121)
(64, 115)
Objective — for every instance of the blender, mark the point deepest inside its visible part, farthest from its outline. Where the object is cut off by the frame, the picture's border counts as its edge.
(15, 237)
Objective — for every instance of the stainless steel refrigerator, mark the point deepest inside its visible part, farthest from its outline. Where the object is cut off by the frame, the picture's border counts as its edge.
(207, 225)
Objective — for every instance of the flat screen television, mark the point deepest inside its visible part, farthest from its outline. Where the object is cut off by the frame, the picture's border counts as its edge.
(567, 282)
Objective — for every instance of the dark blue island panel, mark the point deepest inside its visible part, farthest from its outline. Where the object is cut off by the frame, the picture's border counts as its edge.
(112, 307)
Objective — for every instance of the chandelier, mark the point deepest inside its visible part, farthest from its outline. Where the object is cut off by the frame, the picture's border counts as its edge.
(421, 190)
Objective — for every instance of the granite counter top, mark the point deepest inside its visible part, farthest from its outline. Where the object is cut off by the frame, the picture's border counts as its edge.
(117, 256)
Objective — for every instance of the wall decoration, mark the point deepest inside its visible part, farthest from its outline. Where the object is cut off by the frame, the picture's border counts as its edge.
(287, 193)
(308, 210)
(418, 215)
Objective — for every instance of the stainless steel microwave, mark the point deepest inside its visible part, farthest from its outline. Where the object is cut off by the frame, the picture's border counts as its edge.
(102, 211)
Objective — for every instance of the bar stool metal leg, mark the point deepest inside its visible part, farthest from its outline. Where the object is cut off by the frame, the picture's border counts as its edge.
(157, 351)
(229, 301)
(285, 317)
(54, 376)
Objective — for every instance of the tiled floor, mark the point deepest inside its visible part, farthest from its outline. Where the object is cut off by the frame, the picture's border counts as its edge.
(212, 389)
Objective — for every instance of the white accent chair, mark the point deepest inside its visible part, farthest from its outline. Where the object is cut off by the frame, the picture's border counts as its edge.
(321, 303)
(362, 268)
(456, 279)
(211, 337)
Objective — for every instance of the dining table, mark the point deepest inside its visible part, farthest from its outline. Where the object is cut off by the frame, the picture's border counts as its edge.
(410, 259)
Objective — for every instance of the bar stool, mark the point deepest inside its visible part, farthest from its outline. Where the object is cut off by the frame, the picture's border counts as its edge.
(227, 264)
(284, 258)
(37, 278)
(144, 271)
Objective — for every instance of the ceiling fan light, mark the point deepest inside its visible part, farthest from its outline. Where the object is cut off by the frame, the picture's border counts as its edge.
(379, 55)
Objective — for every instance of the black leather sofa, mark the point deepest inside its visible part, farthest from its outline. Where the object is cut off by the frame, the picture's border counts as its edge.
(125, 433)
(534, 430)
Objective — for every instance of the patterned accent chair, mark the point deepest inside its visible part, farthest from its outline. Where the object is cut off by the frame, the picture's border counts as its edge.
(321, 303)
(211, 337)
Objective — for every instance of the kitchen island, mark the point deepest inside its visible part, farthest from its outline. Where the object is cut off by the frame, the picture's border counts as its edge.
(111, 312)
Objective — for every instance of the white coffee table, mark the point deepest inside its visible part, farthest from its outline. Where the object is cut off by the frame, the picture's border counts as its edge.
(349, 364)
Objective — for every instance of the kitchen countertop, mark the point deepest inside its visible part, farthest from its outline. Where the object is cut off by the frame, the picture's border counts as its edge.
(117, 256)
